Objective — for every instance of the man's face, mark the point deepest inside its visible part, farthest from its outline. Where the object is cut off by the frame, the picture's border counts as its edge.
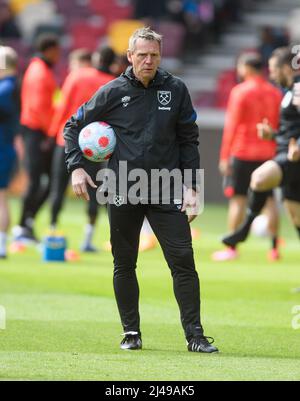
(145, 59)
(53, 54)
(241, 71)
(75, 64)
(277, 73)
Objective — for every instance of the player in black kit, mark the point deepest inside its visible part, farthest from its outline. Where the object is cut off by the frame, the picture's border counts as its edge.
(284, 170)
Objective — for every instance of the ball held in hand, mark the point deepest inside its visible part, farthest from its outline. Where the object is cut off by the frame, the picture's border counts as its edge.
(97, 141)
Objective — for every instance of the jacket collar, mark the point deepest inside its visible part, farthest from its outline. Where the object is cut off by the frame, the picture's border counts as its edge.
(256, 78)
(159, 79)
(41, 57)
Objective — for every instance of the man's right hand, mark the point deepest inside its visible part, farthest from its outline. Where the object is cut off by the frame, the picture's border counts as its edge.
(80, 182)
(294, 151)
(265, 131)
(225, 168)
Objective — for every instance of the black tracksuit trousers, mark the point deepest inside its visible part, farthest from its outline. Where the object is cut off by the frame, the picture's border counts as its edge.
(60, 180)
(172, 229)
(38, 162)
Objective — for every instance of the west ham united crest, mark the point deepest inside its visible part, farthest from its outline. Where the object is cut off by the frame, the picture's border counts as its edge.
(164, 97)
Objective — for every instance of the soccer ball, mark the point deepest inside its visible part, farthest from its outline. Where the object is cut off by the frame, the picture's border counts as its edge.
(97, 141)
(260, 226)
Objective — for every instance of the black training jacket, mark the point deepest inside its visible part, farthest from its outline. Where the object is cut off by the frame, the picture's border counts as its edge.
(155, 126)
(289, 121)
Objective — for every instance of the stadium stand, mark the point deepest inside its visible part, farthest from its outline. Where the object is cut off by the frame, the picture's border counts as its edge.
(202, 37)
(35, 16)
(119, 31)
(19, 5)
(259, 26)
(87, 33)
(8, 26)
(202, 40)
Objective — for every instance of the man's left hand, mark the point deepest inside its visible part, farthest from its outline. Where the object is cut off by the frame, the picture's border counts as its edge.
(294, 151)
(190, 204)
(265, 131)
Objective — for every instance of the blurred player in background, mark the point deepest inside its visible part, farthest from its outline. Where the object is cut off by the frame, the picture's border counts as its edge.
(284, 169)
(103, 59)
(120, 65)
(81, 84)
(9, 124)
(243, 151)
(37, 110)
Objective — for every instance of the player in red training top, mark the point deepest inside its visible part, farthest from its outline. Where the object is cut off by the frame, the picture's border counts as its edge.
(243, 151)
(37, 110)
(81, 84)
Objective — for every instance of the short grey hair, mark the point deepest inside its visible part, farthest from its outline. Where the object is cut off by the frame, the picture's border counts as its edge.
(147, 34)
(8, 58)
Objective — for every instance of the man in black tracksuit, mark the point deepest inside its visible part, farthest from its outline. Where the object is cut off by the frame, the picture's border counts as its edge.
(284, 170)
(154, 121)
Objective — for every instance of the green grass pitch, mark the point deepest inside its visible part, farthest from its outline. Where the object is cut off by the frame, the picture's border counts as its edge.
(63, 324)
